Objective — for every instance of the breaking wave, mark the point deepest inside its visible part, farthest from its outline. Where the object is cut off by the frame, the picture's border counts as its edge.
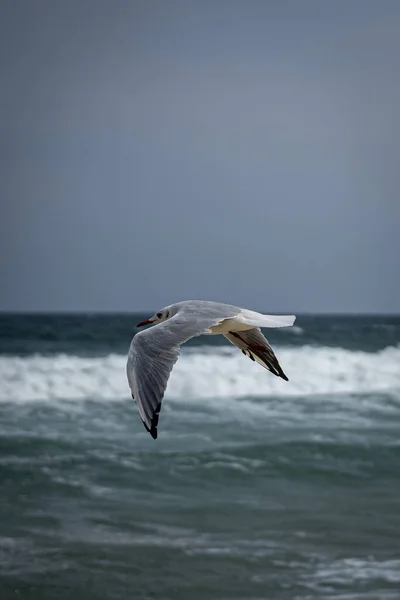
(208, 372)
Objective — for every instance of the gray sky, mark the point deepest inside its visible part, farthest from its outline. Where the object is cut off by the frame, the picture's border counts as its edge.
(158, 150)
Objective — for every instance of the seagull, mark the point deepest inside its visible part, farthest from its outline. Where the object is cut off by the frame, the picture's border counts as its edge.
(154, 351)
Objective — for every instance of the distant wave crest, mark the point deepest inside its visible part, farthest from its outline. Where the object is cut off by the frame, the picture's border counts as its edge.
(209, 373)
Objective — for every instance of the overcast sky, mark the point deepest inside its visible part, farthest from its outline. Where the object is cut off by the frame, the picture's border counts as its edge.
(242, 151)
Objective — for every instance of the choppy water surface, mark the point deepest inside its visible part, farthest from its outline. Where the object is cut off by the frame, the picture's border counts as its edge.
(256, 488)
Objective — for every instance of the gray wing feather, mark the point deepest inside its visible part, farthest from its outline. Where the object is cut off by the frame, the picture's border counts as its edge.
(154, 351)
(253, 343)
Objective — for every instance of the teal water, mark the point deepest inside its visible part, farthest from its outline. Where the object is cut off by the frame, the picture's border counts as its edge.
(255, 489)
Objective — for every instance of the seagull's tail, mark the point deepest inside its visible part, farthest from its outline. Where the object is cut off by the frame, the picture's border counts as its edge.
(278, 320)
(259, 320)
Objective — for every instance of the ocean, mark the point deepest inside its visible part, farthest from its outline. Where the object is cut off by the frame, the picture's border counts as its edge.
(256, 488)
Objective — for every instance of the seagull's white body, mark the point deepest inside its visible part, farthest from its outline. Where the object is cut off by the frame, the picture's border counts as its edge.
(154, 352)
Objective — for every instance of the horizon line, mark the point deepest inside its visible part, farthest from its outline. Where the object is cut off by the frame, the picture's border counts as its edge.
(106, 312)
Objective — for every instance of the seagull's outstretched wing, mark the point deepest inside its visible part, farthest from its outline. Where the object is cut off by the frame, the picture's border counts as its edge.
(252, 343)
(154, 351)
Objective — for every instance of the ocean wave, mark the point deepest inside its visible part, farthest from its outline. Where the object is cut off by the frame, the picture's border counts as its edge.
(353, 570)
(209, 373)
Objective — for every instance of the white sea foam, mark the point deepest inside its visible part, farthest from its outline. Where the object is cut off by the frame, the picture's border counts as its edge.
(204, 373)
(350, 570)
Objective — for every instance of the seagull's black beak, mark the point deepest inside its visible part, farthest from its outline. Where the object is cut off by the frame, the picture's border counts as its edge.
(143, 323)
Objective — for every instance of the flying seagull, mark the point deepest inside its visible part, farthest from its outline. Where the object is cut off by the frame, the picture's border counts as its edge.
(153, 352)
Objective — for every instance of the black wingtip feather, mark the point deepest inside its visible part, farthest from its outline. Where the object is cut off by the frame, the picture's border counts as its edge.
(278, 371)
(152, 431)
(154, 422)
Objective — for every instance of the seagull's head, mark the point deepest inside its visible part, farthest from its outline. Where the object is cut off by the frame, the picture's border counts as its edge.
(159, 317)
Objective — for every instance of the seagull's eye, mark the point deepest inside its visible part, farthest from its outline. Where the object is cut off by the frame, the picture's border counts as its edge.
(159, 315)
